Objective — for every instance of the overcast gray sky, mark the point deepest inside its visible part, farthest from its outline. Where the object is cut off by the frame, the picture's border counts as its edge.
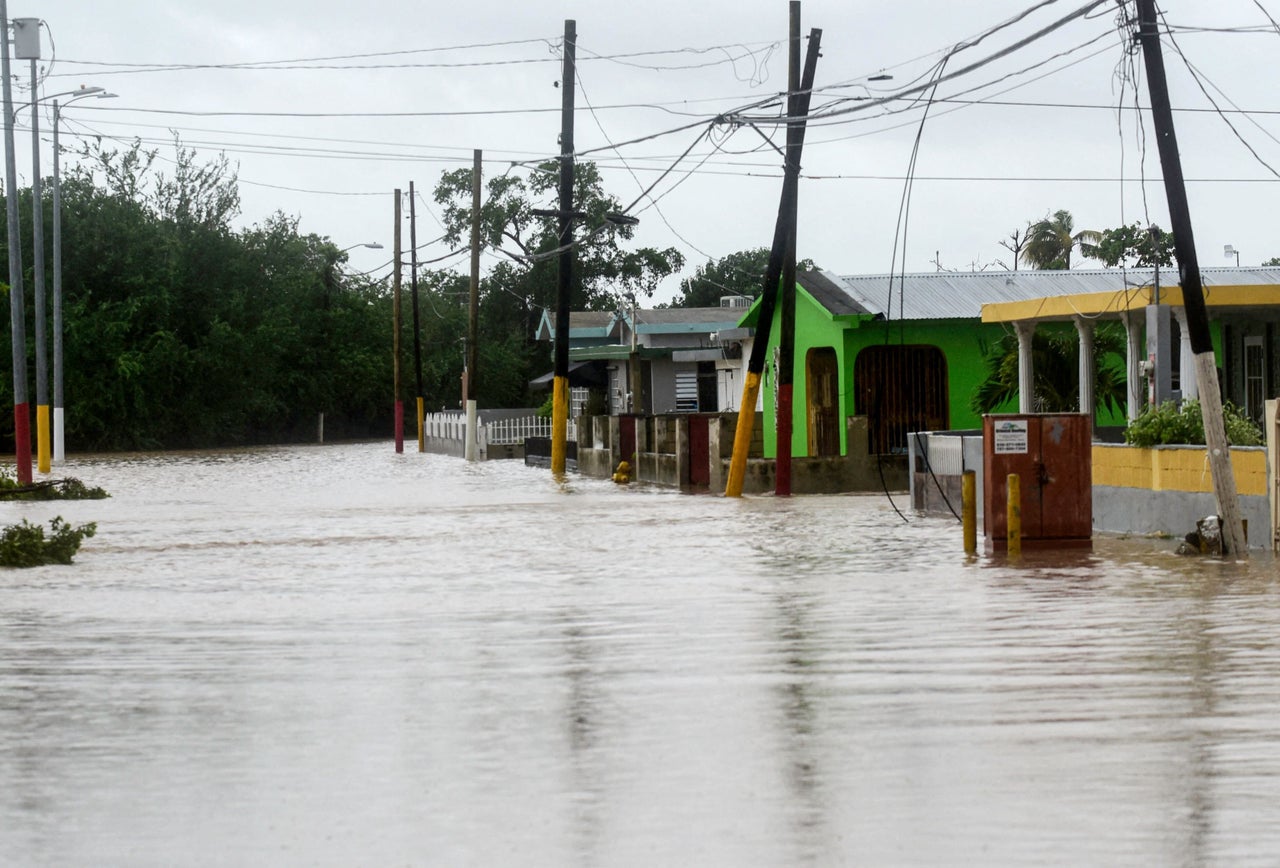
(483, 74)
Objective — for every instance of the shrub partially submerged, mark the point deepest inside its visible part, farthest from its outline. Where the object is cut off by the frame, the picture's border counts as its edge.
(49, 489)
(25, 545)
(1168, 425)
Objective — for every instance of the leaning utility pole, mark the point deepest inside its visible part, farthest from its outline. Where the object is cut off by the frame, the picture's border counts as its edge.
(1215, 434)
(773, 273)
(473, 309)
(787, 338)
(417, 327)
(21, 409)
(560, 392)
(395, 331)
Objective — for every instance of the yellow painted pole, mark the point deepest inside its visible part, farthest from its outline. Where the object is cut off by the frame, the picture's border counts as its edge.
(422, 416)
(42, 438)
(1015, 514)
(742, 435)
(559, 423)
(969, 511)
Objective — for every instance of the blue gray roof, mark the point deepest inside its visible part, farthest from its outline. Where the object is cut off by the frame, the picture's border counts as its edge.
(960, 295)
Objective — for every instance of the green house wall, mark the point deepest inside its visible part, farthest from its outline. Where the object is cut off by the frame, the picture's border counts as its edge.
(961, 342)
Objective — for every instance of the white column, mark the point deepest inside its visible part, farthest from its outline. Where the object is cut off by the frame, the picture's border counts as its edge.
(1133, 322)
(1026, 371)
(1084, 327)
(1186, 359)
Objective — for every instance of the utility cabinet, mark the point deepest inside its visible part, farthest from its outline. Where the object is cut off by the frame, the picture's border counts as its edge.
(1052, 453)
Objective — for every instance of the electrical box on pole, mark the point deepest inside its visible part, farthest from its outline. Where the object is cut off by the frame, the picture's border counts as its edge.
(26, 38)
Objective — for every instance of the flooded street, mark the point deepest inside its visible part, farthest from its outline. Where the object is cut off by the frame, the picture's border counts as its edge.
(339, 656)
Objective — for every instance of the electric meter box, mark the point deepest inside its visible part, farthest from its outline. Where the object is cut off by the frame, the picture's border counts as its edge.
(1052, 453)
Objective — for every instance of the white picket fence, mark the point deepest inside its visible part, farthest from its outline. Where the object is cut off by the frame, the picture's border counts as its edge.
(498, 432)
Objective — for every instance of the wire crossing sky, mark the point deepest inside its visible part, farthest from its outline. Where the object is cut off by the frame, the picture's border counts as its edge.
(1032, 106)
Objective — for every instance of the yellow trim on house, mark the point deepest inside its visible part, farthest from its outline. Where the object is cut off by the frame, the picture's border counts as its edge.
(1175, 468)
(1094, 304)
(1067, 306)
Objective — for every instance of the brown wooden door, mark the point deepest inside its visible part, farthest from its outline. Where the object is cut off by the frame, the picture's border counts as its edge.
(699, 463)
(822, 394)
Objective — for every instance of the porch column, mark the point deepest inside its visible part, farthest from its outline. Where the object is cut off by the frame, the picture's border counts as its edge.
(1085, 329)
(1133, 322)
(1186, 358)
(1026, 372)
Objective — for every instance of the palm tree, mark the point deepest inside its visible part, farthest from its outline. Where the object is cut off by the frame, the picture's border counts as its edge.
(1054, 356)
(1050, 242)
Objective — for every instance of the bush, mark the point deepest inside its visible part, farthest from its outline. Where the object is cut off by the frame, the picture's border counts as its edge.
(25, 545)
(1168, 425)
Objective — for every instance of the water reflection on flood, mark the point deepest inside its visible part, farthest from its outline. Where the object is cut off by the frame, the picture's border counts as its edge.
(342, 656)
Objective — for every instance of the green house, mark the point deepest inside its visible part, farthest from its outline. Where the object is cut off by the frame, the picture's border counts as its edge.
(906, 351)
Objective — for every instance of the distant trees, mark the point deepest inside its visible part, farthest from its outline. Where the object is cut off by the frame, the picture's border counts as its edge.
(183, 332)
(514, 293)
(1134, 246)
(1051, 241)
(740, 273)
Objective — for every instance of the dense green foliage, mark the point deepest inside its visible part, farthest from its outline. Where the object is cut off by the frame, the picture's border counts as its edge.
(25, 544)
(1168, 424)
(1134, 246)
(182, 330)
(740, 273)
(1055, 365)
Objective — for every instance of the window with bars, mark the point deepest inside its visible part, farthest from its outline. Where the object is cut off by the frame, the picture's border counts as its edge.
(900, 389)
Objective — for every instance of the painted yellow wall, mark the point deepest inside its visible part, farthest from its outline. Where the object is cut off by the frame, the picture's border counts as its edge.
(1175, 468)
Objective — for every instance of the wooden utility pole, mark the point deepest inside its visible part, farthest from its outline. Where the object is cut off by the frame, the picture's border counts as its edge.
(395, 330)
(1215, 433)
(787, 337)
(773, 273)
(560, 393)
(417, 327)
(473, 311)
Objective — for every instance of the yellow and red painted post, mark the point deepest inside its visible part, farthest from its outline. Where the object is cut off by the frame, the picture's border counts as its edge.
(969, 511)
(1014, 514)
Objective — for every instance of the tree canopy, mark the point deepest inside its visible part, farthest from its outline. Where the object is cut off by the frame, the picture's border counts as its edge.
(1050, 242)
(1134, 246)
(740, 273)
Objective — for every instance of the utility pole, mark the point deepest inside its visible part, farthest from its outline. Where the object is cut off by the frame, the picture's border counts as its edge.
(787, 338)
(564, 282)
(395, 330)
(773, 273)
(473, 309)
(21, 409)
(1224, 481)
(43, 451)
(417, 329)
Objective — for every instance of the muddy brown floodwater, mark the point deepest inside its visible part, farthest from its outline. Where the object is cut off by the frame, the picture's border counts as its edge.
(340, 656)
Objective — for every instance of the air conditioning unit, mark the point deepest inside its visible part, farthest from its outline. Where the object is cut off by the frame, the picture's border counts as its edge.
(735, 301)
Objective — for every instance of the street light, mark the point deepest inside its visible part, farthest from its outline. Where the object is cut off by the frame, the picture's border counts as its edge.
(372, 245)
(1229, 251)
(59, 444)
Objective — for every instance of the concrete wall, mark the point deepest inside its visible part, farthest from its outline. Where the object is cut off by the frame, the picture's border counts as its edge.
(1167, 489)
(662, 446)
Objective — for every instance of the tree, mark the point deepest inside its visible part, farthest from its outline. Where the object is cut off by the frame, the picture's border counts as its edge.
(516, 291)
(1055, 363)
(740, 273)
(1134, 246)
(1016, 243)
(1051, 241)
(1272, 262)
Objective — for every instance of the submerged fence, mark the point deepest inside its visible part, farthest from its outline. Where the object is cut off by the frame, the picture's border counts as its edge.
(496, 436)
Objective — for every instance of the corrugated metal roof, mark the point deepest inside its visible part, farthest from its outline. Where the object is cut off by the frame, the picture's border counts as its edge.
(829, 294)
(960, 295)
